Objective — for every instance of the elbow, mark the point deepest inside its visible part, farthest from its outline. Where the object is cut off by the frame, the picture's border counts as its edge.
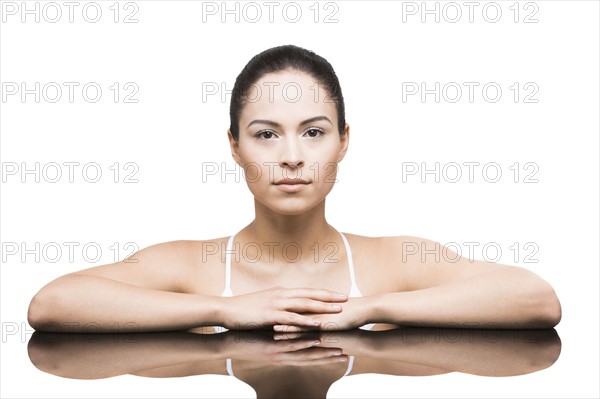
(35, 312)
(39, 315)
(547, 311)
(538, 306)
(47, 308)
(553, 310)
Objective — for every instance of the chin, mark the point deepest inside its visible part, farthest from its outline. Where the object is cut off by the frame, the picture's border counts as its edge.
(291, 210)
(291, 207)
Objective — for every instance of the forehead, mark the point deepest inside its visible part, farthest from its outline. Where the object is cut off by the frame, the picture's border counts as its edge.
(287, 97)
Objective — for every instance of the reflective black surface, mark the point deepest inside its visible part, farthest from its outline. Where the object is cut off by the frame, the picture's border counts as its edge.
(300, 365)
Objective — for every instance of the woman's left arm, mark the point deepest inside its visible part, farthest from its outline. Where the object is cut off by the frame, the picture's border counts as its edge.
(440, 288)
(430, 285)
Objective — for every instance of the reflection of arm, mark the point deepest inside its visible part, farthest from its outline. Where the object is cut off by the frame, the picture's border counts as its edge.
(480, 352)
(92, 356)
(439, 288)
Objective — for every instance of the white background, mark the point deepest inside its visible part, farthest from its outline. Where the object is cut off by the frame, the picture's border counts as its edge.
(171, 132)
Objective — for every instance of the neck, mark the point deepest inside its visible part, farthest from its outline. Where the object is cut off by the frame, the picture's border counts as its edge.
(303, 231)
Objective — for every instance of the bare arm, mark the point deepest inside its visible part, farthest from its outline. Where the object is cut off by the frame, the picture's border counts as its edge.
(452, 291)
(142, 293)
(82, 303)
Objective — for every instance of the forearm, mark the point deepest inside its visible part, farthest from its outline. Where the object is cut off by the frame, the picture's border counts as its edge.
(79, 303)
(512, 298)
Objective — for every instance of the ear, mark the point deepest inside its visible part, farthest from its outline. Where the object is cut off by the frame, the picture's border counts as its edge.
(344, 141)
(235, 148)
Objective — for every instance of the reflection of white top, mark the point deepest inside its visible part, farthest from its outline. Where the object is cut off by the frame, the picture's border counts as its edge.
(354, 291)
(350, 363)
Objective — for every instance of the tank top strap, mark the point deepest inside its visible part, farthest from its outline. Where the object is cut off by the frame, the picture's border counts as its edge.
(227, 290)
(350, 364)
(354, 291)
(229, 367)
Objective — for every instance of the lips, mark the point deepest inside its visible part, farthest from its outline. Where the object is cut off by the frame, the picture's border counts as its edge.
(291, 181)
(291, 185)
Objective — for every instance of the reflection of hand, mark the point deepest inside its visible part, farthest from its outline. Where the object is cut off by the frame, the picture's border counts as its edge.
(287, 306)
(355, 313)
(302, 351)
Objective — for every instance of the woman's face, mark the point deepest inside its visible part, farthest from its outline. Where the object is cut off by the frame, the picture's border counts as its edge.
(288, 130)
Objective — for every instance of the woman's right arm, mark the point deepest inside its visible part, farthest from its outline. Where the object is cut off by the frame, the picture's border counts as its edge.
(147, 293)
(141, 293)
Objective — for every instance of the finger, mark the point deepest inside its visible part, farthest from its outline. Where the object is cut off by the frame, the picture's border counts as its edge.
(315, 362)
(295, 345)
(287, 335)
(286, 332)
(307, 354)
(315, 293)
(312, 335)
(305, 305)
(295, 319)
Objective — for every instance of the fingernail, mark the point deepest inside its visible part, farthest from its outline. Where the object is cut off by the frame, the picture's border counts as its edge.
(336, 307)
(342, 358)
(341, 295)
(317, 342)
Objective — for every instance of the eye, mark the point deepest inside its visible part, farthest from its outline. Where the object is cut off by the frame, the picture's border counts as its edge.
(314, 132)
(265, 135)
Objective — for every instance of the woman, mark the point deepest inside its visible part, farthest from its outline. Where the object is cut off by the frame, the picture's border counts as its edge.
(290, 270)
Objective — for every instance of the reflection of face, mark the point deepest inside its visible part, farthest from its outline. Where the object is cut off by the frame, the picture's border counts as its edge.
(288, 129)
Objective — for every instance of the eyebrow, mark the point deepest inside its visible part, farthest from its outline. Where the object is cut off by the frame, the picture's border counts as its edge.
(275, 124)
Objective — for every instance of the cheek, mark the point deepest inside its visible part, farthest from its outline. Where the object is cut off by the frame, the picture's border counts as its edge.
(330, 171)
(259, 176)
(254, 167)
(324, 168)
(253, 172)
(325, 175)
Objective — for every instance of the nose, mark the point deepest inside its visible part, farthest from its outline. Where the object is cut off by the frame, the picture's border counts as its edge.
(291, 156)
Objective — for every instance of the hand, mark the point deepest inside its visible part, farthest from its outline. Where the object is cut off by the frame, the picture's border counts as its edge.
(355, 313)
(288, 306)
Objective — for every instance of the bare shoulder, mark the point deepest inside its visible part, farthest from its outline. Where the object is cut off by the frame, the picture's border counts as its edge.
(181, 253)
(393, 248)
(188, 252)
(413, 262)
(378, 262)
(389, 244)
(175, 266)
(200, 263)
